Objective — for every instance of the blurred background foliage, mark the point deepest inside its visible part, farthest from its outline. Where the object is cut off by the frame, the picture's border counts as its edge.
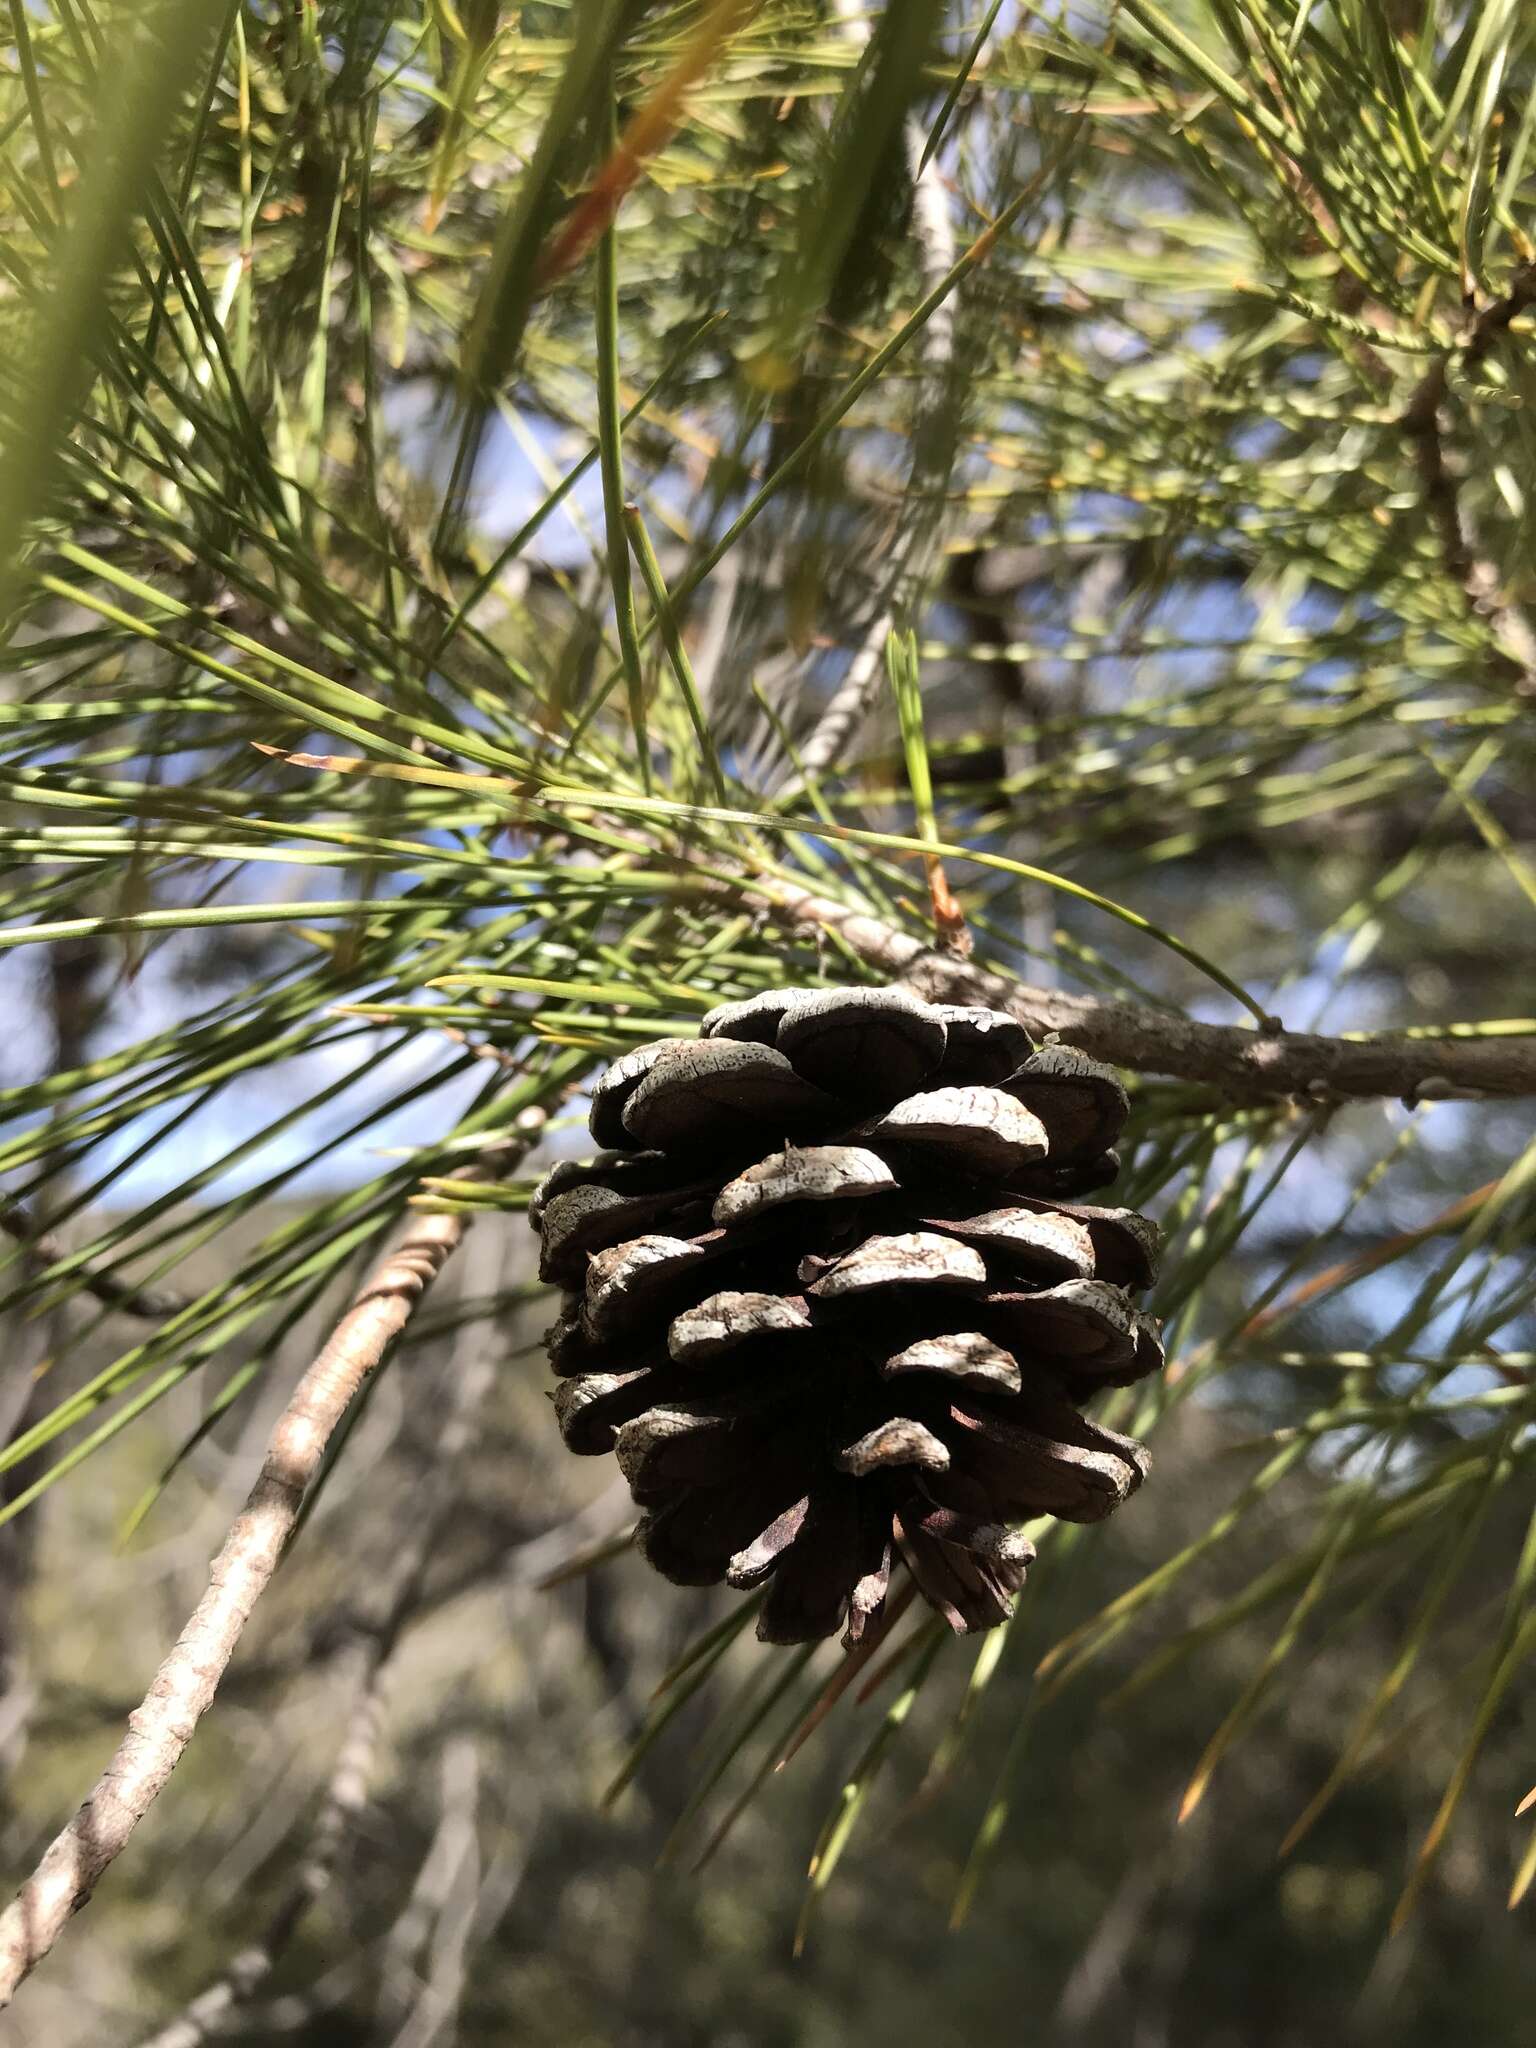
(370, 771)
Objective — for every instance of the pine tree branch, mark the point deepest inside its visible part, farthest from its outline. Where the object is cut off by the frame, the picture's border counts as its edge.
(467, 1379)
(1477, 578)
(1241, 1062)
(184, 1687)
(847, 708)
(41, 1250)
(933, 239)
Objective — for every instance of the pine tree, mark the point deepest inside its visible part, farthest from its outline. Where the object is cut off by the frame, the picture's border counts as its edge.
(520, 526)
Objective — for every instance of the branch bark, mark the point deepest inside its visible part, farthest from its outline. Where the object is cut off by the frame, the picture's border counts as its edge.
(467, 1380)
(933, 238)
(1477, 577)
(1239, 1061)
(184, 1687)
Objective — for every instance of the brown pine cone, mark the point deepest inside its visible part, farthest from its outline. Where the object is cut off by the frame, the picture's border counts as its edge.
(830, 1300)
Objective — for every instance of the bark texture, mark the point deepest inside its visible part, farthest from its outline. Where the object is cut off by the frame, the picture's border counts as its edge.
(1237, 1059)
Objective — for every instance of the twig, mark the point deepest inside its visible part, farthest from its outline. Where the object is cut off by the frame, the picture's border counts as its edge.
(933, 239)
(602, 1529)
(1495, 320)
(41, 1250)
(471, 1373)
(1476, 577)
(1240, 1062)
(184, 1687)
(847, 708)
(440, 1916)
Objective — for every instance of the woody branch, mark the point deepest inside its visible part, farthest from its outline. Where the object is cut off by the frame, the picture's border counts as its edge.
(183, 1688)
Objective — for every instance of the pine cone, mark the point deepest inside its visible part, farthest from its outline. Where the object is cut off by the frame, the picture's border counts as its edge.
(831, 1303)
